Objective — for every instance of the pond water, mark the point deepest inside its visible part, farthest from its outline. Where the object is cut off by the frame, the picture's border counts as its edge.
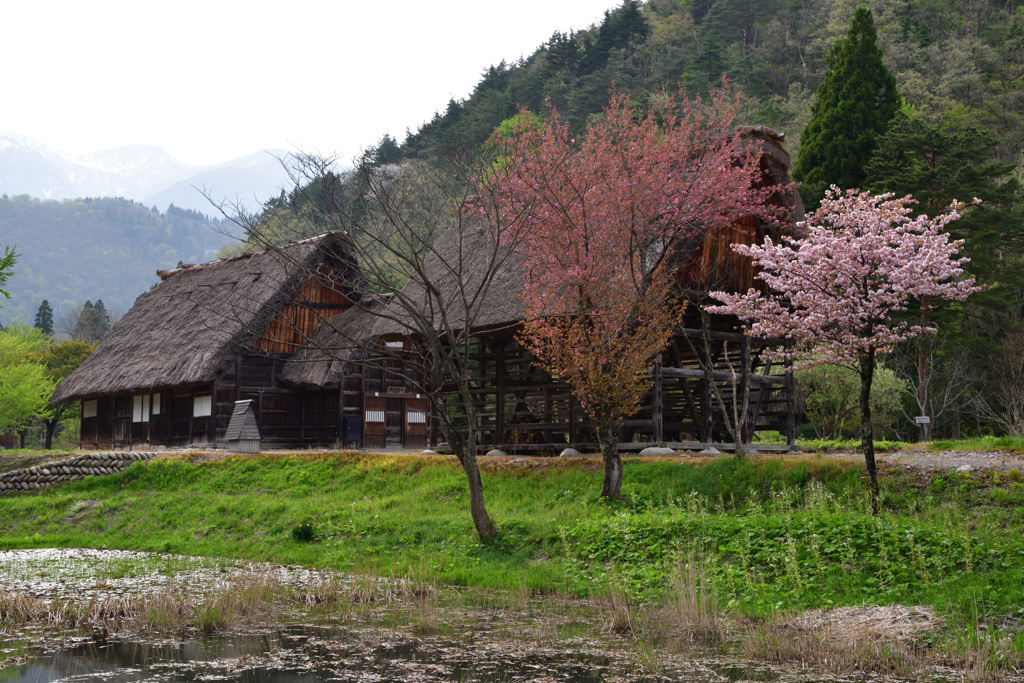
(299, 656)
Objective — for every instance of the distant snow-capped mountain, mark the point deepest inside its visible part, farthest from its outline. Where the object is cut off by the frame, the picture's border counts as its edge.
(144, 173)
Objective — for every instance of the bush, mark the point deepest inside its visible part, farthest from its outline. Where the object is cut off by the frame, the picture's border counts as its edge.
(304, 533)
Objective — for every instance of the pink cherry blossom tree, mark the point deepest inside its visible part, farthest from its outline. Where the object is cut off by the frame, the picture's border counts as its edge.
(601, 220)
(836, 291)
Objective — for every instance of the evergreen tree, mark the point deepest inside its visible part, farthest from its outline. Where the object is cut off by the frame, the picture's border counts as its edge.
(853, 108)
(44, 318)
(937, 167)
(6, 269)
(93, 323)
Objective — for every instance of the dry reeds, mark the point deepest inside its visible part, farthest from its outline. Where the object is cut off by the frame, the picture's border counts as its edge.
(623, 612)
(871, 639)
(692, 607)
(245, 601)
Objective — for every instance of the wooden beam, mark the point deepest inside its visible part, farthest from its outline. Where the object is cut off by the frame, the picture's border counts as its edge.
(720, 376)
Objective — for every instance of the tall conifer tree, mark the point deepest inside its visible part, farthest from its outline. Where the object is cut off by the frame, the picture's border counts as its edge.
(44, 318)
(853, 108)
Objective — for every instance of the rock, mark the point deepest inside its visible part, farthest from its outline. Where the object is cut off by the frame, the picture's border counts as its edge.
(656, 450)
(569, 453)
(495, 452)
(965, 468)
(427, 451)
(750, 450)
(711, 451)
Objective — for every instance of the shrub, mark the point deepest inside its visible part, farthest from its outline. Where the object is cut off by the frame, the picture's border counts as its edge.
(304, 533)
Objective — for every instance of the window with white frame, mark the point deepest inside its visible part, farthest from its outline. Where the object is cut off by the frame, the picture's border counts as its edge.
(89, 408)
(374, 415)
(140, 408)
(202, 406)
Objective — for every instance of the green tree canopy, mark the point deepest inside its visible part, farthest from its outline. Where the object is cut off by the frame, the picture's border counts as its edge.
(60, 360)
(853, 108)
(24, 387)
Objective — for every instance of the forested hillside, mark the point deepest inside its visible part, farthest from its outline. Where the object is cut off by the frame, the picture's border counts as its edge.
(86, 249)
(956, 63)
(948, 124)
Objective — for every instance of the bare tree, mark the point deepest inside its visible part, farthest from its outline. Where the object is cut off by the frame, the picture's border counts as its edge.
(936, 377)
(1002, 403)
(68, 323)
(430, 252)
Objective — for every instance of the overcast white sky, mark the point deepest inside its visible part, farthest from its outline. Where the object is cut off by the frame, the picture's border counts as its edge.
(217, 79)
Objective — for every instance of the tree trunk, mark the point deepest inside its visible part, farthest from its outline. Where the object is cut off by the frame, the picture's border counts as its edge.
(481, 520)
(464, 448)
(924, 379)
(867, 435)
(608, 440)
(51, 427)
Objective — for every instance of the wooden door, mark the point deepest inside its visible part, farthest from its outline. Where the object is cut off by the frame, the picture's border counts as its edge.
(416, 411)
(394, 417)
(374, 425)
(122, 420)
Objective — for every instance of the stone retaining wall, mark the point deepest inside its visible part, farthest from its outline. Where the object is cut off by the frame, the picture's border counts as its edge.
(72, 469)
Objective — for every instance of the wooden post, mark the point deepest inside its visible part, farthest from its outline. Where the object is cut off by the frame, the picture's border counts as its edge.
(213, 415)
(790, 398)
(339, 441)
(499, 397)
(302, 417)
(659, 401)
(573, 434)
(760, 396)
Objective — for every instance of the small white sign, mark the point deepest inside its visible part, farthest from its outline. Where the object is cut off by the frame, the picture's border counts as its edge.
(923, 420)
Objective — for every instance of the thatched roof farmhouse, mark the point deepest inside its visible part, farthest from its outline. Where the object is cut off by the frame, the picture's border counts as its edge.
(292, 330)
(206, 336)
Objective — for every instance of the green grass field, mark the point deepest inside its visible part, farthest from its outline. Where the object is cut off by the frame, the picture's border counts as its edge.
(781, 533)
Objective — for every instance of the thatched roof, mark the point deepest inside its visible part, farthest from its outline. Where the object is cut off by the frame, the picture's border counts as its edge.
(457, 265)
(475, 278)
(321, 362)
(199, 319)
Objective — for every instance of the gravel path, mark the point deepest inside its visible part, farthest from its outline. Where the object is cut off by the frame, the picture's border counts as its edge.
(963, 461)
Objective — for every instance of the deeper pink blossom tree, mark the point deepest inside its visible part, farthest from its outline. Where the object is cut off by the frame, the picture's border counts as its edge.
(834, 292)
(601, 221)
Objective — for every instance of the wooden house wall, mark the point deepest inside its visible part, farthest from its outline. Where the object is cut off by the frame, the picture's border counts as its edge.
(114, 426)
(714, 265)
(319, 298)
(521, 407)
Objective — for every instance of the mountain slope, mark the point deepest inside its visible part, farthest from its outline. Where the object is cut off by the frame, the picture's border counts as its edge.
(109, 249)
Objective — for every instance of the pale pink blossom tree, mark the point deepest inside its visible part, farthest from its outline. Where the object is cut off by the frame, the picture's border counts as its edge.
(602, 219)
(836, 291)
